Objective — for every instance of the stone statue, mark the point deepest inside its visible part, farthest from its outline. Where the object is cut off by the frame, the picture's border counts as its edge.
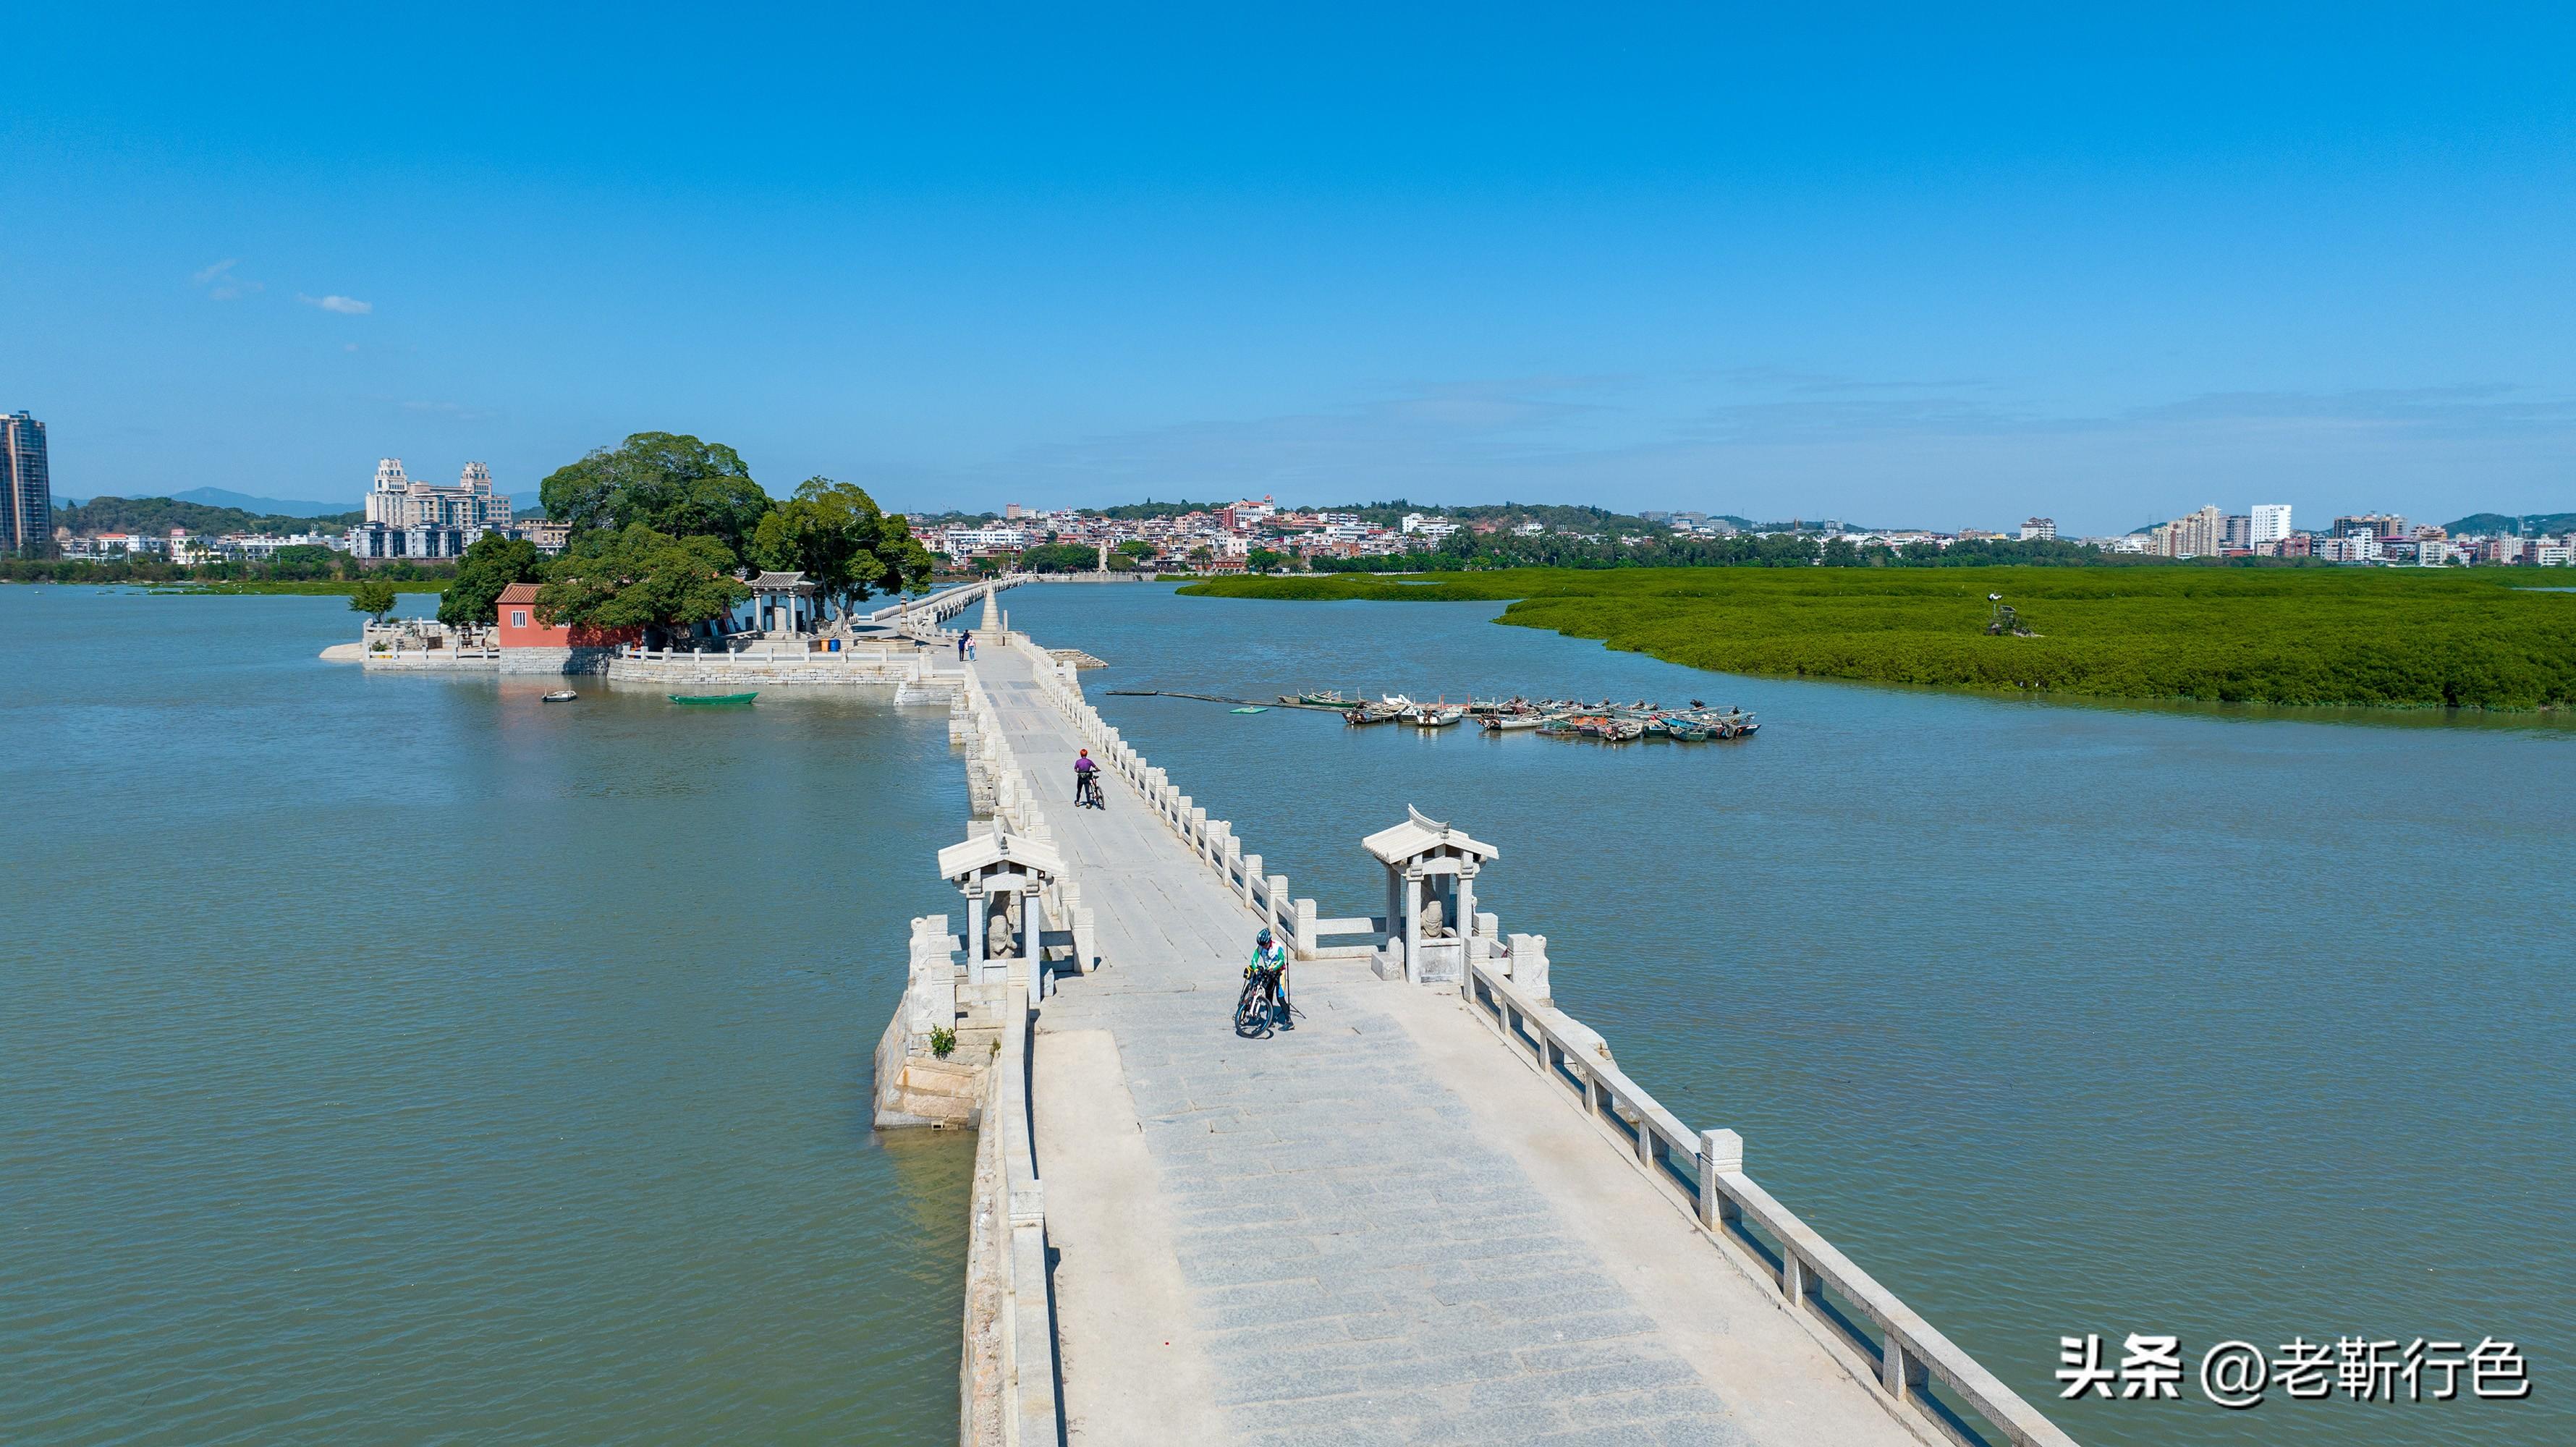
(1434, 923)
(1001, 913)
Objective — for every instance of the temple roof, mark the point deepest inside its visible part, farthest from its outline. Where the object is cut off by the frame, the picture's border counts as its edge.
(1418, 836)
(975, 855)
(769, 582)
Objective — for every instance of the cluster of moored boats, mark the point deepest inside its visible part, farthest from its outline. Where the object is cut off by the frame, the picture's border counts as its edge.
(1616, 723)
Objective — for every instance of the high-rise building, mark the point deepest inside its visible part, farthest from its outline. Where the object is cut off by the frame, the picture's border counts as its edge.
(2039, 529)
(2271, 521)
(2193, 535)
(2236, 530)
(2377, 524)
(26, 486)
(409, 519)
(398, 501)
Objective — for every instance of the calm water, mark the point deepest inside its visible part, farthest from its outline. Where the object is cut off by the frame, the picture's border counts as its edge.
(2057, 1018)
(400, 1060)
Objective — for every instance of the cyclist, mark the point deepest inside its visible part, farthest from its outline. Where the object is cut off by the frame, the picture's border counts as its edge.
(1270, 968)
(1086, 782)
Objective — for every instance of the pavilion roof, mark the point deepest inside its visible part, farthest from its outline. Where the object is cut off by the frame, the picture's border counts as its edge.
(1419, 835)
(986, 850)
(769, 582)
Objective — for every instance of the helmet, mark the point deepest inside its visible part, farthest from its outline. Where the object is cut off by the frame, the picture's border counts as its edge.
(1265, 937)
(1086, 753)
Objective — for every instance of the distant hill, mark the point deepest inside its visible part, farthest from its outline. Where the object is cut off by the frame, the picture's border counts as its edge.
(160, 514)
(2497, 522)
(265, 506)
(280, 507)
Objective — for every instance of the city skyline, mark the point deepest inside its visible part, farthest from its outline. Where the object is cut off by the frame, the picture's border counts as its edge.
(1941, 278)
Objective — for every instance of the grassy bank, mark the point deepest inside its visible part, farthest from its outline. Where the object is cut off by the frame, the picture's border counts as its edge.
(2385, 637)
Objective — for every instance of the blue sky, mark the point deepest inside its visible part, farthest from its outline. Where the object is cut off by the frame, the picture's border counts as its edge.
(2099, 262)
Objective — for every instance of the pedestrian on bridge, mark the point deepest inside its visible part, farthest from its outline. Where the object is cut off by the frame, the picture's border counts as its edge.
(1269, 967)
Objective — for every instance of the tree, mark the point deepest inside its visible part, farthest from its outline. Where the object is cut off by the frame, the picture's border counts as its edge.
(837, 536)
(1202, 555)
(1135, 548)
(666, 481)
(374, 597)
(491, 564)
(1060, 558)
(640, 578)
(1262, 560)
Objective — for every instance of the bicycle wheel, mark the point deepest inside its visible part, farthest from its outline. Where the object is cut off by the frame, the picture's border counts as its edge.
(1252, 1012)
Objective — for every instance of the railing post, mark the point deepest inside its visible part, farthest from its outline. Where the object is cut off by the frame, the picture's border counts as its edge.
(1720, 1151)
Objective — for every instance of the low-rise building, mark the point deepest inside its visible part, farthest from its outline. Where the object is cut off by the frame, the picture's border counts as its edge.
(530, 646)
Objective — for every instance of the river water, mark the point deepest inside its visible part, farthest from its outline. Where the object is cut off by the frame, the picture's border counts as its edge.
(399, 1059)
(2056, 1018)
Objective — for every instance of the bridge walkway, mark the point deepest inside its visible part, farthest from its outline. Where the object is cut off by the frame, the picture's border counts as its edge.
(1381, 1227)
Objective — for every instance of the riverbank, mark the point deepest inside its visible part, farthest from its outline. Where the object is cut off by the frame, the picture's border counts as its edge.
(2383, 638)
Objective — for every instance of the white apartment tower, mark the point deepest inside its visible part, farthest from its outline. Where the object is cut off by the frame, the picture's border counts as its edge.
(2271, 522)
(397, 501)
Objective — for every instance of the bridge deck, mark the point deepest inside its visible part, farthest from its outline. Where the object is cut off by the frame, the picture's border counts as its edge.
(1381, 1227)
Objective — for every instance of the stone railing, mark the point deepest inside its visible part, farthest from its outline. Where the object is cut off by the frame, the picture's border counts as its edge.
(1506, 979)
(1008, 1381)
(1877, 1336)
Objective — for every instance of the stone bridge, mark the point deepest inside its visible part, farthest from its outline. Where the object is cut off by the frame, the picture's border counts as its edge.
(1435, 1211)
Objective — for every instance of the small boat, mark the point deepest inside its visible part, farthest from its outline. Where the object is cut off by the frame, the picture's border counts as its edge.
(713, 698)
(1496, 723)
(1323, 698)
(561, 695)
(1434, 715)
(1251, 708)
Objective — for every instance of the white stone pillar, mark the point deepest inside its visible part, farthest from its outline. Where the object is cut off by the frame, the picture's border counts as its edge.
(975, 933)
(1412, 926)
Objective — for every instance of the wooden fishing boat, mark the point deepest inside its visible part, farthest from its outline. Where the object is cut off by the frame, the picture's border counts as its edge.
(1369, 713)
(1328, 698)
(703, 699)
(1434, 715)
(1495, 723)
(561, 695)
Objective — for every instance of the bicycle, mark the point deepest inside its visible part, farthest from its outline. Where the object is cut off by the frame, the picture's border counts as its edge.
(1086, 791)
(1253, 1019)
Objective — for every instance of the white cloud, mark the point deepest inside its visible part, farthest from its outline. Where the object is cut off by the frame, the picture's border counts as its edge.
(347, 306)
(222, 283)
